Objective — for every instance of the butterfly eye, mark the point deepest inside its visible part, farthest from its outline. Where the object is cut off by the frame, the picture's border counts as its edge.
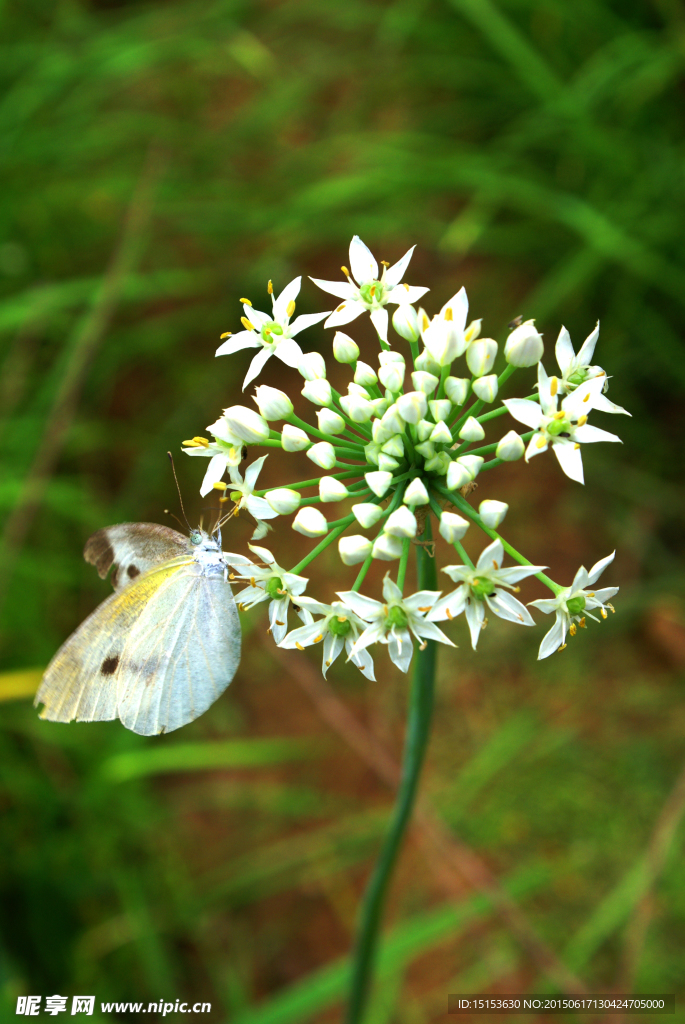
(196, 537)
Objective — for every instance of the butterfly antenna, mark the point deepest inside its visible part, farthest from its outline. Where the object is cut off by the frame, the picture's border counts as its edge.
(173, 469)
(168, 512)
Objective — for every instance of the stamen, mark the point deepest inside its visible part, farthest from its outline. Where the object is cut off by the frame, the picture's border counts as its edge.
(559, 415)
(553, 386)
(231, 575)
(449, 615)
(226, 334)
(342, 618)
(220, 486)
(340, 307)
(290, 308)
(562, 648)
(576, 447)
(587, 397)
(345, 271)
(610, 607)
(270, 288)
(603, 613)
(246, 324)
(329, 663)
(385, 263)
(224, 500)
(485, 622)
(423, 646)
(318, 638)
(541, 441)
(405, 285)
(252, 581)
(448, 313)
(572, 629)
(582, 623)
(426, 609)
(299, 646)
(517, 590)
(280, 623)
(582, 420)
(372, 291)
(246, 302)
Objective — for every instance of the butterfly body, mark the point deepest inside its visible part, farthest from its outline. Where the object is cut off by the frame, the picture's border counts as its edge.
(163, 647)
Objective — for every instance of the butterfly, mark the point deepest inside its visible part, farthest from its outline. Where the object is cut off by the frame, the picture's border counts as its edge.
(163, 647)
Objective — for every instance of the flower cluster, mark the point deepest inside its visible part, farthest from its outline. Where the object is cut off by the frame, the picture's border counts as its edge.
(403, 446)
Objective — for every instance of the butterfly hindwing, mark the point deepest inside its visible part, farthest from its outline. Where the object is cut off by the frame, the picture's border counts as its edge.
(133, 549)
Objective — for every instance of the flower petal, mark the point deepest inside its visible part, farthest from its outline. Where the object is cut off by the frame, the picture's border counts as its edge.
(257, 365)
(400, 648)
(394, 274)
(253, 471)
(491, 557)
(524, 411)
(453, 603)
(587, 349)
(475, 613)
(588, 435)
(306, 320)
(215, 471)
(553, 640)
(288, 295)
(425, 630)
(599, 567)
(515, 573)
(379, 319)
(570, 460)
(256, 317)
(365, 607)
(422, 599)
(345, 313)
(303, 635)
(243, 339)
(361, 660)
(564, 350)
(506, 606)
(278, 618)
(259, 508)
(343, 289)
(602, 404)
(362, 263)
(459, 304)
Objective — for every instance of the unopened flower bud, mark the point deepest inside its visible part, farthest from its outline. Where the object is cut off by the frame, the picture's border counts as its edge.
(357, 408)
(480, 356)
(221, 432)
(354, 549)
(380, 405)
(246, 424)
(426, 382)
(322, 454)
(413, 406)
(293, 439)
(379, 481)
(395, 446)
(283, 500)
(330, 422)
(424, 429)
(356, 389)
(380, 432)
(426, 449)
(486, 387)
(365, 375)
(387, 462)
(472, 430)
(524, 346)
(318, 391)
(392, 420)
(425, 361)
(439, 463)
(367, 514)
(345, 350)
(371, 452)
(386, 547)
(389, 355)
(331, 489)
(312, 366)
(456, 389)
(401, 523)
(444, 340)
(510, 447)
(416, 493)
(441, 433)
(492, 512)
(471, 464)
(440, 408)
(406, 322)
(391, 376)
(272, 403)
(452, 526)
(457, 476)
(310, 522)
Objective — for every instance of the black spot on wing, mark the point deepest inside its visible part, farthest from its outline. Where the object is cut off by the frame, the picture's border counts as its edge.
(115, 576)
(99, 552)
(110, 665)
(133, 571)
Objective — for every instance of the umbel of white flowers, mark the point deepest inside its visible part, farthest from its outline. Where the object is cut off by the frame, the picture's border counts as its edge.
(416, 426)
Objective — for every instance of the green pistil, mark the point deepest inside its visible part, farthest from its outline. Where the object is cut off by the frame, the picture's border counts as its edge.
(338, 625)
(579, 377)
(397, 617)
(576, 605)
(482, 587)
(269, 329)
(557, 427)
(273, 587)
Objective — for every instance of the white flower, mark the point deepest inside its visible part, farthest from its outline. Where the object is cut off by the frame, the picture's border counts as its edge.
(293, 439)
(480, 356)
(492, 512)
(445, 335)
(272, 403)
(393, 621)
(310, 522)
(416, 493)
(338, 628)
(345, 350)
(573, 604)
(312, 366)
(364, 290)
(524, 346)
(565, 429)
(322, 454)
(367, 514)
(221, 454)
(246, 424)
(456, 389)
(331, 489)
(484, 585)
(269, 582)
(318, 392)
(406, 322)
(486, 387)
(387, 547)
(379, 481)
(242, 495)
(510, 447)
(412, 406)
(330, 422)
(401, 523)
(576, 369)
(472, 430)
(283, 500)
(452, 527)
(365, 375)
(272, 335)
(353, 549)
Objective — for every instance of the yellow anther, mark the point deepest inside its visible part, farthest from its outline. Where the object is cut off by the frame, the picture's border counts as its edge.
(562, 648)
(226, 334)
(345, 271)
(426, 609)
(329, 663)
(553, 386)
(341, 618)
(280, 623)
(559, 415)
(385, 263)
(224, 500)
(246, 302)
(485, 622)
(198, 442)
(219, 485)
(582, 623)
(610, 607)
(603, 613)
(270, 288)
(317, 638)
(299, 646)
(572, 629)
(290, 308)
(449, 614)
(340, 307)
(576, 447)
(587, 397)
(372, 291)
(517, 590)
(425, 322)
(423, 646)
(582, 420)
(191, 444)
(252, 581)
(541, 442)
(448, 313)
(590, 593)
(405, 285)
(246, 324)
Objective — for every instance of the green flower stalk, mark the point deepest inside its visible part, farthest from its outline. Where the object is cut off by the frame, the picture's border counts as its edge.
(401, 448)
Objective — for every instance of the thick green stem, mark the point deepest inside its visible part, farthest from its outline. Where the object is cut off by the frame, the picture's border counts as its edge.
(416, 742)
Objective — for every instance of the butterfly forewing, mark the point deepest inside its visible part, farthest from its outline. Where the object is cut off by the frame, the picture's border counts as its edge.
(133, 549)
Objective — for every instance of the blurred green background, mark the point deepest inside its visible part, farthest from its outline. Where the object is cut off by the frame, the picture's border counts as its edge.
(162, 160)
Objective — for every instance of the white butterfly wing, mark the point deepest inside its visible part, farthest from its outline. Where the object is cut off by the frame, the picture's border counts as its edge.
(181, 653)
(133, 549)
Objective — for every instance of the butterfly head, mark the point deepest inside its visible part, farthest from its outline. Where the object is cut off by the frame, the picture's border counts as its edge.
(206, 548)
